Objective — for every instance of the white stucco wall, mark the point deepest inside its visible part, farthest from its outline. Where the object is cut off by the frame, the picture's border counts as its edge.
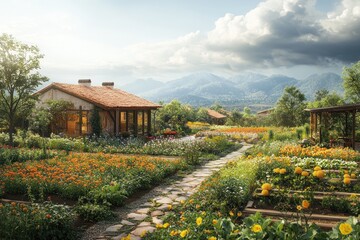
(54, 94)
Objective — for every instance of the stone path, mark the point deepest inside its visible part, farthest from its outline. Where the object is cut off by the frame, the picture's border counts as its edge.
(143, 218)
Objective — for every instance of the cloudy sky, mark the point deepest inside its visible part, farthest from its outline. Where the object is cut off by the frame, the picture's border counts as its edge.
(109, 40)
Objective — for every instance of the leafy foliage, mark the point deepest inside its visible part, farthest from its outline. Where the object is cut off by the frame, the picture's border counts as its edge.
(95, 122)
(351, 77)
(289, 110)
(19, 78)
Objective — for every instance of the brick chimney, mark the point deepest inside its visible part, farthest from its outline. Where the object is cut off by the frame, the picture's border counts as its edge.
(84, 82)
(108, 84)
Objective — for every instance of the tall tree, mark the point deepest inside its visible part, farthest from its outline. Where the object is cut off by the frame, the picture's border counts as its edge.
(323, 98)
(19, 77)
(351, 78)
(289, 110)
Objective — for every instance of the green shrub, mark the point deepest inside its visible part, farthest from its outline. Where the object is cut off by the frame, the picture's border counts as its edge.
(271, 135)
(36, 221)
(10, 155)
(113, 193)
(233, 192)
(92, 212)
(299, 133)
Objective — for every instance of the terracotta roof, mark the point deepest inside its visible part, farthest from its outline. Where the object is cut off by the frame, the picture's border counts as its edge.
(215, 114)
(102, 96)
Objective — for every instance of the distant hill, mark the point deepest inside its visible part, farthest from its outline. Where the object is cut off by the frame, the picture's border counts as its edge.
(205, 88)
(329, 81)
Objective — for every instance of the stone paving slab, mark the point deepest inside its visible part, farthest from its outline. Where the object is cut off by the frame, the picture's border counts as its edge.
(145, 218)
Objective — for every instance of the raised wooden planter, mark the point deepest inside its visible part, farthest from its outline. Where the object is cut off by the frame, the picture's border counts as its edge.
(317, 195)
(3, 200)
(326, 221)
(323, 221)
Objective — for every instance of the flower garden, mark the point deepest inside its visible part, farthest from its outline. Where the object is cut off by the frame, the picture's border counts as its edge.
(278, 190)
(47, 185)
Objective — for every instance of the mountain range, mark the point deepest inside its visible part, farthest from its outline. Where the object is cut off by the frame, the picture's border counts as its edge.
(203, 89)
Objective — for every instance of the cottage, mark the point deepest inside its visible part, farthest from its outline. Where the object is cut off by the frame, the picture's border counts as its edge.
(120, 112)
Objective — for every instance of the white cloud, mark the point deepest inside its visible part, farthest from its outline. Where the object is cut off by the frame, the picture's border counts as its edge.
(275, 34)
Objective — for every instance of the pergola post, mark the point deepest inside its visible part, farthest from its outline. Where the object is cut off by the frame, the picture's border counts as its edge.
(353, 128)
(135, 122)
(149, 122)
(80, 120)
(346, 123)
(117, 122)
(320, 130)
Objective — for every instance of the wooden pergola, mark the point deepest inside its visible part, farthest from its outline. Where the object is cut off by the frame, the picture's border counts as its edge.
(319, 117)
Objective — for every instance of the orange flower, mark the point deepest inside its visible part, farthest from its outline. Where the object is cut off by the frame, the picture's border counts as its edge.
(305, 204)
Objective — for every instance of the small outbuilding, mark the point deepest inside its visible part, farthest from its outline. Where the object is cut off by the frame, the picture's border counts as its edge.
(216, 117)
(120, 112)
(265, 112)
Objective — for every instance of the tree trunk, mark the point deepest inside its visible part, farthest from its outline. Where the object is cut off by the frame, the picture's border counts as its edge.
(11, 133)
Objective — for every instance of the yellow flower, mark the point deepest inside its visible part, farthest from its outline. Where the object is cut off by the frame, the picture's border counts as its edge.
(212, 238)
(347, 181)
(305, 204)
(298, 170)
(166, 225)
(128, 237)
(353, 196)
(231, 213)
(346, 175)
(170, 207)
(214, 221)
(282, 171)
(353, 176)
(207, 231)
(256, 228)
(203, 213)
(182, 201)
(345, 228)
(197, 206)
(320, 174)
(317, 168)
(266, 186)
(239, 214)
(305, 173)
(276, 170)
(174, 233)
(191, 201)
(184, 233)
(265, 193)
(159, 225)
(199, 221)
(143, 234)
(299, 208)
